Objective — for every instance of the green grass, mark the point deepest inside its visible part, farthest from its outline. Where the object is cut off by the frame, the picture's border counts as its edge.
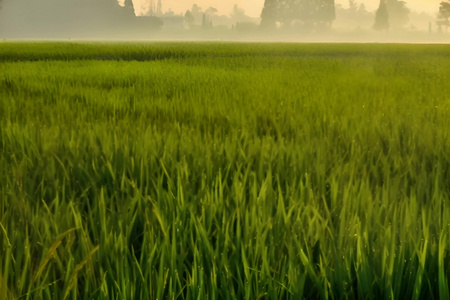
(224, 171)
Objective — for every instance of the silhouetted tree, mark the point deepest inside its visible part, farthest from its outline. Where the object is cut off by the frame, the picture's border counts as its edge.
(189, 18)
(128, 3)
(398, 13)
(197, 13)
(444, 15)
(206, 22)
(159, 11)
(196, 10)
(128, 6)
(211, 11)
(381, 17)
(362, 10)
(352, 6)
(56, 18)
(325, 13)
(237, 12)
(444, 9)
(314, 13)
(269, 14)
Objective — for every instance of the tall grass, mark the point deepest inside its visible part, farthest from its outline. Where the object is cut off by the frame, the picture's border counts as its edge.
(224, 171)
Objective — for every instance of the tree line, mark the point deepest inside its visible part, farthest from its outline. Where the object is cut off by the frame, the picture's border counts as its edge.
(320, 14)
(307, 14)
(444, 15)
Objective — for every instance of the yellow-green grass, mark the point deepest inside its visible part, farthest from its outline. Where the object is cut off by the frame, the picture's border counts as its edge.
(224, 171)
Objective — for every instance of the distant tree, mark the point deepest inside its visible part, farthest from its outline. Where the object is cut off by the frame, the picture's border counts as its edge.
(398, 13)
(56, 18)
(237, 12)
(159, 11)
(314, 13)
(196, 10)
(325, 13)
(128, 3)
(211, 11)
(444, 15)
(197, 13)
(206, 17)
(444, 9)
(206, 22)
(381, 17)
(354, 16)
(269, 14)
(189, 18)
(352, 6)
(362, 9)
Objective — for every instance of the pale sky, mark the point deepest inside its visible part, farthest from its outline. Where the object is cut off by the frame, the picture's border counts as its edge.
(253, 7)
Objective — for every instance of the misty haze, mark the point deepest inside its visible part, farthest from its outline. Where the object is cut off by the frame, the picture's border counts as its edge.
(307, 20)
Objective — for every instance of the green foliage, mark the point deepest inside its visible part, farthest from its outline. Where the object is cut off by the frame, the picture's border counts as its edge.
(381, 17)
(444, 14)
(398, 13)
(189, 18)
(316, 14)
(224, 171)
(444, 10)
(270, 14)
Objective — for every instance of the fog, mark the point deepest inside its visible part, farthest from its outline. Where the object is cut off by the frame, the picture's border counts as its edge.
(253, 7)
(414, 21)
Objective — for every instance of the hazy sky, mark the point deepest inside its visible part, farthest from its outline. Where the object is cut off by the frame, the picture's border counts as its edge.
(253, 7)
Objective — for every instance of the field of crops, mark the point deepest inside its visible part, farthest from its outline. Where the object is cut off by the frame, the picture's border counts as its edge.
(224, 171)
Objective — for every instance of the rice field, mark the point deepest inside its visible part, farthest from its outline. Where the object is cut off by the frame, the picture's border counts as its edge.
(224, 171)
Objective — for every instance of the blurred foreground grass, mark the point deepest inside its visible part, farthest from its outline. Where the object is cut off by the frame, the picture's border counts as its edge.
(224, 171)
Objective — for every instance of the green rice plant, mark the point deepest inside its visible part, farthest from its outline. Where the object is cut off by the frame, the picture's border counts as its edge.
(224, 171)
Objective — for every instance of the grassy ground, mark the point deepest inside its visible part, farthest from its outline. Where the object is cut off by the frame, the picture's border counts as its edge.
(224, 171)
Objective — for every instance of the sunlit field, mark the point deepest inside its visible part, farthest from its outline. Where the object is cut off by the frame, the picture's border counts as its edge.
(224, 171)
